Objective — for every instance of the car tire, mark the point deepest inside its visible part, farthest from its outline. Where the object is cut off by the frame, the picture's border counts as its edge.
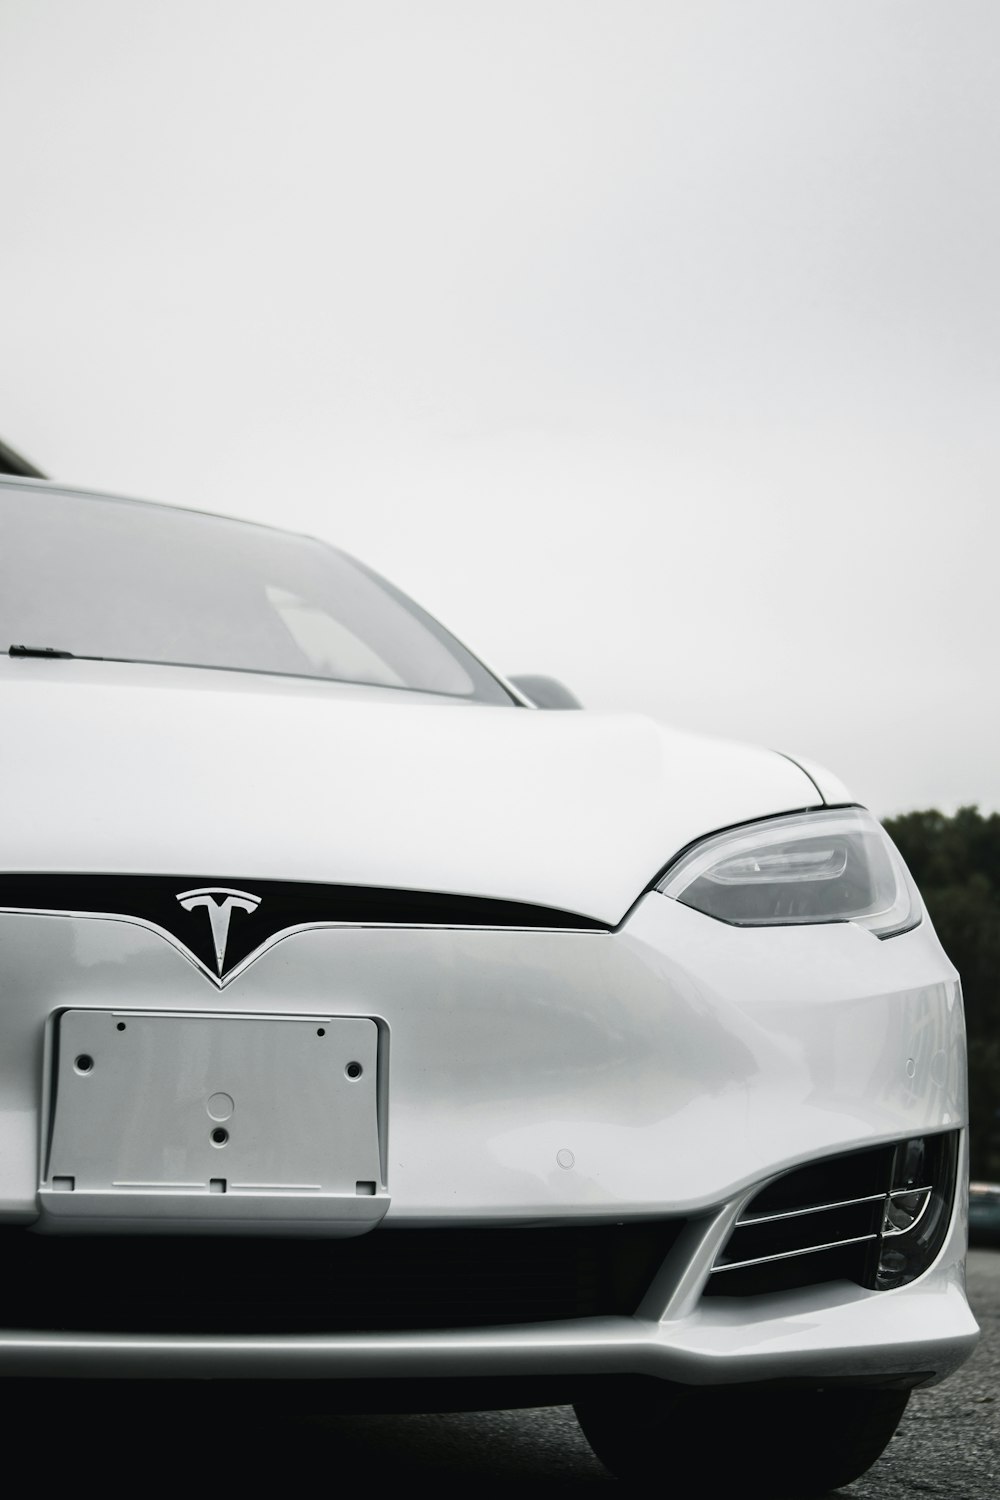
(779, 1444)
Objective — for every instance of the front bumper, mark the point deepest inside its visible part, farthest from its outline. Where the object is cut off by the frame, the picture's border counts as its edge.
(662, 1070)
(919, 1333)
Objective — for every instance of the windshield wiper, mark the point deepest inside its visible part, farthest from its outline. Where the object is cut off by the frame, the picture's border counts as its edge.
(49, 651)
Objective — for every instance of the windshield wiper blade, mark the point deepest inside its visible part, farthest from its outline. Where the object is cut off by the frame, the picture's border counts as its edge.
(45, 651)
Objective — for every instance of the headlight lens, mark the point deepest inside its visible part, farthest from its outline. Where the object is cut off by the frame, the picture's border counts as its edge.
(832, 866)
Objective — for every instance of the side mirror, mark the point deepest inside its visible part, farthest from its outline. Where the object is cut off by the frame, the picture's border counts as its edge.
(545, 692)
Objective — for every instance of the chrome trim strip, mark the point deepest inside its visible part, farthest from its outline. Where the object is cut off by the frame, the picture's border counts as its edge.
(737, 1265)
(892, 1232)
(277, 937)
(820, 1208)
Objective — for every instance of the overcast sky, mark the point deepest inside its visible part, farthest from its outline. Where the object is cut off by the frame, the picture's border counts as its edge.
(655, 346)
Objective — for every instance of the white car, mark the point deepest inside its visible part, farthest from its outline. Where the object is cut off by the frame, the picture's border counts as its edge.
(362, 1023)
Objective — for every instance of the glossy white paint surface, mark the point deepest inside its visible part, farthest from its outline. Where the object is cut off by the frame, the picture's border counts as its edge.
(678, 1060)
(162, 770)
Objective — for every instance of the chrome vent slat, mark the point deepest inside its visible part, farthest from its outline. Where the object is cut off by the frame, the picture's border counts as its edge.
(890, 1230)
(760, 1260)
(767, 1238)
(799, 1213)
(819, 1208)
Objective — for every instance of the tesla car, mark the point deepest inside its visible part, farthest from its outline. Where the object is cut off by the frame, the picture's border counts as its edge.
(367, 1027)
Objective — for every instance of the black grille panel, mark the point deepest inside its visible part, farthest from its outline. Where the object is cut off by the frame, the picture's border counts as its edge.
(389, 1280)
(281, 906)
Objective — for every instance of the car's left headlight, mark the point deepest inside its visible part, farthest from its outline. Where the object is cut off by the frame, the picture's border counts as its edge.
(831, 866)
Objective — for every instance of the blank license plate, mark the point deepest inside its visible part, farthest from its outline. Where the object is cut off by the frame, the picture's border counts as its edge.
(190, 1118)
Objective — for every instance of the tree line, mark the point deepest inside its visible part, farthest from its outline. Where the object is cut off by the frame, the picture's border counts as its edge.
(956, 863)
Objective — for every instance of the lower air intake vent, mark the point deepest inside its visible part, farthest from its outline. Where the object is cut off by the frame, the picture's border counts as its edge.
(877, 1218)
(390, 1279)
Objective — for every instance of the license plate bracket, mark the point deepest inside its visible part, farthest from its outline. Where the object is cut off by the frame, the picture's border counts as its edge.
(178, 1121)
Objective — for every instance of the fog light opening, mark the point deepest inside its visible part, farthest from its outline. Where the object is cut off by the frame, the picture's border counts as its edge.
(917, 1209)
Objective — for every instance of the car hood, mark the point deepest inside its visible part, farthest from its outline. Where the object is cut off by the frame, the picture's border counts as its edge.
(176, 771)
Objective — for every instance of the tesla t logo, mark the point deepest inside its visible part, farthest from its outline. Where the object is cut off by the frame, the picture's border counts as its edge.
(220, 902)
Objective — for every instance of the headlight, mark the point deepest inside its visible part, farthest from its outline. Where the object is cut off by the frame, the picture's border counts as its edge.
(836, 866)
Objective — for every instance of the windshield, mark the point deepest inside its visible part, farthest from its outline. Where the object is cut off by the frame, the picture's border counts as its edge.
(128, 581)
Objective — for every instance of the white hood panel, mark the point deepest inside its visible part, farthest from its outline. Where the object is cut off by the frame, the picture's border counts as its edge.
(172, 771)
